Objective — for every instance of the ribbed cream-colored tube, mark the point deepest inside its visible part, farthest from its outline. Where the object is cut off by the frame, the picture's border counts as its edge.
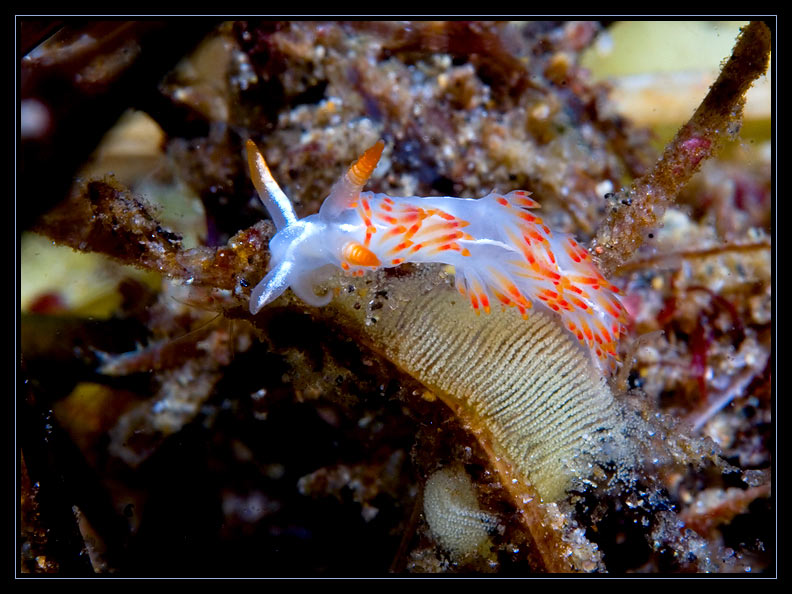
(453, 513)
(526, 387)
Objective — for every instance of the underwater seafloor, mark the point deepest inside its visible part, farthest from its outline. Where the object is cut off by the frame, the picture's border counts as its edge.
(165, 431)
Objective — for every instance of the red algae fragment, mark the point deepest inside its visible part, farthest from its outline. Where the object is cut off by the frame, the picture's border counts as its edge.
(104, 217)
(640, 209)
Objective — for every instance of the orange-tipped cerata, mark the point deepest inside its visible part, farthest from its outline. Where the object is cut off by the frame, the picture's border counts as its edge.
(358, 254)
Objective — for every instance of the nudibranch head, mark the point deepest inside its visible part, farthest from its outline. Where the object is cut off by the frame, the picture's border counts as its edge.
(501, 251)
(301, 249)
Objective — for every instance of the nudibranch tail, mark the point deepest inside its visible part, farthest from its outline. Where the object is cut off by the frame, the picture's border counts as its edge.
(516, 260)
(277, 203)
(346, 191)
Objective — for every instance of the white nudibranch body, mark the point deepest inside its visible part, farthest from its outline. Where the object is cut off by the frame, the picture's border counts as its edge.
(501, 252)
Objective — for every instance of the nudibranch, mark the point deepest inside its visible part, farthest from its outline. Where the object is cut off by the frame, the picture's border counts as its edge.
(502, 253)
(527, 381)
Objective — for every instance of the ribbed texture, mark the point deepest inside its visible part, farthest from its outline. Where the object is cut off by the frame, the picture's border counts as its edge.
(528, 384)
(362, 169)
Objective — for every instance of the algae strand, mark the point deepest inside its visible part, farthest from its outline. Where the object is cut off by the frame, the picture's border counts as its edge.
(637, 211)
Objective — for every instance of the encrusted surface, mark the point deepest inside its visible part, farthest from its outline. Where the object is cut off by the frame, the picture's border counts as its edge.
(284, 446)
